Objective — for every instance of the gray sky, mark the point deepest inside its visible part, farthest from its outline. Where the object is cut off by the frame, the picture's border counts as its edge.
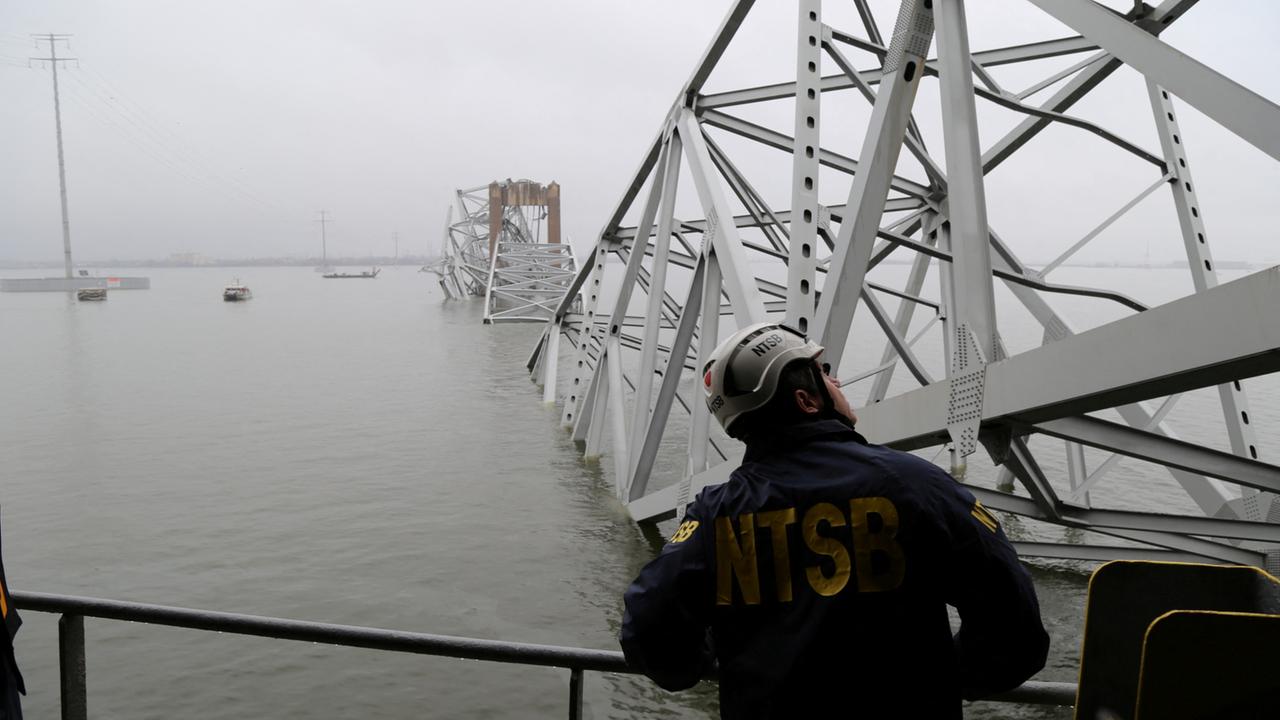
(222, 128)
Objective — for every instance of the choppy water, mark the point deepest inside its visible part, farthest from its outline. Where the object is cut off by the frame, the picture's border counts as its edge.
(352, 452)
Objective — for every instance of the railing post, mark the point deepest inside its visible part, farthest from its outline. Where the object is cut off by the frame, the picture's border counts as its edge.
(575, 694)
(72, 667)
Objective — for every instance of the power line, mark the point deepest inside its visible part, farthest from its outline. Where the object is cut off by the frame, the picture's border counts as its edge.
(136, 115)
(165, 155)
(108, 121)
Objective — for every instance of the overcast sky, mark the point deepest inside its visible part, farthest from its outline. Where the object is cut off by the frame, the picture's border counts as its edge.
(224, 127)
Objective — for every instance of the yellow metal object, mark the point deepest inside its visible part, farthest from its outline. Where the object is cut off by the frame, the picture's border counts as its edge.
(1173, 640)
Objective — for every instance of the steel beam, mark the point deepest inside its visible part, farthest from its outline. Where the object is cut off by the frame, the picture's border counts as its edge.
(1235, 404)
(670, 383)
(1145, 445)
(1134, 358)
(657, 292)
(902, 321)
(721, 237)
(779, 141)
(974, 310)
(882, 145)
(803, 258)
(1237, 108)
(988, 58)
(708, 334)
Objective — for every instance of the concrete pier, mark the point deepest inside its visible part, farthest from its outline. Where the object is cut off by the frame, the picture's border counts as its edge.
(62, 284)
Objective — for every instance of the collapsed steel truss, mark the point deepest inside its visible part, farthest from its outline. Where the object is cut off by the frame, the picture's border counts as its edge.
(463, 265)
(506, 255)
(809, 265)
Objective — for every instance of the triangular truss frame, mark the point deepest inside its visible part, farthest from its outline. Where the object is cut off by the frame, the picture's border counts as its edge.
(628, 370)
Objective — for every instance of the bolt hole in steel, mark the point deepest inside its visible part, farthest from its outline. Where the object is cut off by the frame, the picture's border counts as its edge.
(808, 151)
(909, 72)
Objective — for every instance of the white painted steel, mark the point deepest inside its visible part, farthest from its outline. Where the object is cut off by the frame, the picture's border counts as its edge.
(523, 280)
(745, 257)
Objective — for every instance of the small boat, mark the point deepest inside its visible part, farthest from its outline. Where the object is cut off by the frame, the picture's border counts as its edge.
(236, 291)
(88, 294)
(367, 274)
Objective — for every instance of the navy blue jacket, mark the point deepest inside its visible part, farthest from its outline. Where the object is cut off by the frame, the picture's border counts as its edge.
(10, 678)
(819, 576)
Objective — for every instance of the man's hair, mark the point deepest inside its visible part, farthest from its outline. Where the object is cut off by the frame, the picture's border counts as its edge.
(781, 410)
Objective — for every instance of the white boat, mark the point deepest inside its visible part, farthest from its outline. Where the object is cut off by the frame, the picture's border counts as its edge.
(236, 291)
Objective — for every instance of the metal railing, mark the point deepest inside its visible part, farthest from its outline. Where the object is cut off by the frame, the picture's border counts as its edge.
(74, 609)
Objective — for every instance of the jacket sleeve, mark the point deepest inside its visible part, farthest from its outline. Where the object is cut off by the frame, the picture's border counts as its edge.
(1002, 641)
(665, 627)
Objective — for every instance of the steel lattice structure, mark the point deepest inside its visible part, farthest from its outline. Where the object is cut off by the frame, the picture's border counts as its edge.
(658, 293)
(463, 266)
(511, 257)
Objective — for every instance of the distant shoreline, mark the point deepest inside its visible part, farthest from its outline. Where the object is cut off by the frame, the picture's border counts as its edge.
(421, 260)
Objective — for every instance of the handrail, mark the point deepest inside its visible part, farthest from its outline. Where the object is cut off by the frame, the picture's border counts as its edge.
(74, 608)
(306, 631)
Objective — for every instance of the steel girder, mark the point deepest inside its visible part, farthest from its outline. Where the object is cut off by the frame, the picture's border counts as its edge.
(521, 277)
(691, 277)
(463, 267)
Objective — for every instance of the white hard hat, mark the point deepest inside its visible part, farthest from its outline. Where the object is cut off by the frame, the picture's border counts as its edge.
(742, 374)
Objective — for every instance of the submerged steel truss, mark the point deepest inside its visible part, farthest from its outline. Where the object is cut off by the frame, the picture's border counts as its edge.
(658, 293)
(506, 248)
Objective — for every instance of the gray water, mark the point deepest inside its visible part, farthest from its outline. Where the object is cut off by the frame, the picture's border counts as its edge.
(357, 452)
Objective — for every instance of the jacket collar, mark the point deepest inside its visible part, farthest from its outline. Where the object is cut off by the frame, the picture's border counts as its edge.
(793, 436)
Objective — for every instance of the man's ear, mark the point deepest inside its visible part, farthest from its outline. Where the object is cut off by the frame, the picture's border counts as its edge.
(809, 403)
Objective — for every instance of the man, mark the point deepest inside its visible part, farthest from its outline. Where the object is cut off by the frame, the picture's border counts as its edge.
(818, 576)
(10, 678)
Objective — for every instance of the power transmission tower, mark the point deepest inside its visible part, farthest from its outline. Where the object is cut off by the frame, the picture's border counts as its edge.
(53, 60)
(324, 243)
